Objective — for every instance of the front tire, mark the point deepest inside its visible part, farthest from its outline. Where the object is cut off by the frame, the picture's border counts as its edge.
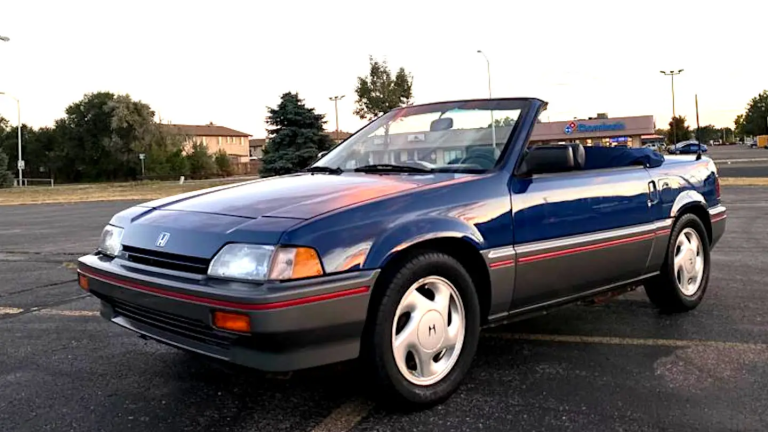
(684, 276)
(423, 330)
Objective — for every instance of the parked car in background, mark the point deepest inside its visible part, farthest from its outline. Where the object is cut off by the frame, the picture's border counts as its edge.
(652, 146)
(688, 148)
(371, 254)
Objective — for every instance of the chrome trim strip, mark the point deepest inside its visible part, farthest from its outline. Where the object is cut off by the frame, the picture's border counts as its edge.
(592, 237)
(666, 223)
(502, 252)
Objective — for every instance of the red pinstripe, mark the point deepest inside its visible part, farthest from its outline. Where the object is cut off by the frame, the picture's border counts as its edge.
(607, 244)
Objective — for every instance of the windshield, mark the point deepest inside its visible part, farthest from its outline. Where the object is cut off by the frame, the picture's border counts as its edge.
(464, 136)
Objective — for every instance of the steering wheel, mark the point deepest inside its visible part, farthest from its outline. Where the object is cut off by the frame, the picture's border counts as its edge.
(482, 160)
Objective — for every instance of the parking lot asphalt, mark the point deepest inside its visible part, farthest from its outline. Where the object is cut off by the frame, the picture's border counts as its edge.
(616, 366)
(739, 161)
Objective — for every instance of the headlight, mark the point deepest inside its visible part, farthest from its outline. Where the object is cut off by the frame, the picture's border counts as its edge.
(111, 238)
(259, 263)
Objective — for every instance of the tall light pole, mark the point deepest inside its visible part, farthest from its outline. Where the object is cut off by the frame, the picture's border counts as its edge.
(18, 119)
(336, 100)
(490, 95)
(672, 74)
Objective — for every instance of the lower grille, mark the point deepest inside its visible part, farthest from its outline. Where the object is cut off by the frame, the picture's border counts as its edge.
(169, 261)
(171, 323)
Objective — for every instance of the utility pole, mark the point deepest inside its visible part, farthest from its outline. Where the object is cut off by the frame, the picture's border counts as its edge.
(672, 74)
(336, 100)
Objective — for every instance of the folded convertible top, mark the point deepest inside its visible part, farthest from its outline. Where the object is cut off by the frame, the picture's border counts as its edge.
(615, 157)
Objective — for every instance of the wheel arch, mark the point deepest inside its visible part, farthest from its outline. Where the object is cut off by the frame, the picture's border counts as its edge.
(692, 202)
(459, 248)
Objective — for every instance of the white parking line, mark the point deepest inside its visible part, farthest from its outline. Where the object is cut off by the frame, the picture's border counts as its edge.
(607, 340)
(345, 417)
(10, 310)
(13, 311)
(729, 161)
(66, 312)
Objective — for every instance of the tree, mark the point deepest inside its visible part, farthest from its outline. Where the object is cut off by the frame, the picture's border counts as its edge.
(102, 135)
(739, 125)
(200, 162)
(223, 164)
(295, 137)
(379, 93)
(755, 120)
(708, 133)
(681, 130)
(6, 178)
(502, 122)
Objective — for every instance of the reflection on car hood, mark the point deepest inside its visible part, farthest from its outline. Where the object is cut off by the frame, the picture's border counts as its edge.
(301, 196)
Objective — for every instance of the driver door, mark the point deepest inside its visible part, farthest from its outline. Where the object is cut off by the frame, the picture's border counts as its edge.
(579, 231)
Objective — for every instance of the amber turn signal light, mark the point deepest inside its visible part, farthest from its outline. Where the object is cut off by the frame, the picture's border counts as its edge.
(306, 264)
(232, 321)
(83, 281)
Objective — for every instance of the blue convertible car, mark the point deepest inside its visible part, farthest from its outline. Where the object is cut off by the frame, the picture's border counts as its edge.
(405, 240)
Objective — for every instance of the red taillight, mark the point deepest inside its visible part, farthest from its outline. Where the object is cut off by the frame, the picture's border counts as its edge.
(717, 187)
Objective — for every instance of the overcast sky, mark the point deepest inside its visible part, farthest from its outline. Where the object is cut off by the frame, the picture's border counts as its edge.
(221, 61)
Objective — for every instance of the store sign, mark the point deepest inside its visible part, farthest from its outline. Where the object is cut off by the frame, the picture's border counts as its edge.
(573, 127)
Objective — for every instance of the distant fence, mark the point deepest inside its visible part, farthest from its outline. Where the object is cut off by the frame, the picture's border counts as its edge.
(247, 168)
(33, 182)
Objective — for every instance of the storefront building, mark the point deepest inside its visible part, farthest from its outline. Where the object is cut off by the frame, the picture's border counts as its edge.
(601, 131)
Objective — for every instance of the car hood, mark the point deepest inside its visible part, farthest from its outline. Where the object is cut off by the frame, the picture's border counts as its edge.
(300, 196)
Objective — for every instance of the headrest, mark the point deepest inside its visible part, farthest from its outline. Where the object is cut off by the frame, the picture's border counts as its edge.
(553, 158)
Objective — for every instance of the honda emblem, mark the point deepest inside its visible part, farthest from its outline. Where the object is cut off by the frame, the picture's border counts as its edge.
(162, 240)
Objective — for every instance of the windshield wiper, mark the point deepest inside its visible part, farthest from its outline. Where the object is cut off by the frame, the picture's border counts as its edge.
(392, 168)
(324, 169)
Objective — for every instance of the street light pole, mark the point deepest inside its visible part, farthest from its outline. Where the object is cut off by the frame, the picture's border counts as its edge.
(336, 100)
(490, 96)
(672, 74)
(18, 119)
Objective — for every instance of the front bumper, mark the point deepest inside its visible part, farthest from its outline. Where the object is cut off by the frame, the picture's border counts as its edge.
(294, 325)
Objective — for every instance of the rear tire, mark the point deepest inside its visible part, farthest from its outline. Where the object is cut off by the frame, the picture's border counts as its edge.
(423, 330)
(684, 276)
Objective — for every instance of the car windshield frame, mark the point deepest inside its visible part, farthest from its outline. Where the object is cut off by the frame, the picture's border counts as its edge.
(343, 152)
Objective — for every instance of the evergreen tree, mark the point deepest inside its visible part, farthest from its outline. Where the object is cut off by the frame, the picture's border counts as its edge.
(295, 137)
(200, 163)
(223, 164)
(6, 178)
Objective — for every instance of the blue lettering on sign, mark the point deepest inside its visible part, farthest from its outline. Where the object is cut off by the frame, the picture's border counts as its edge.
(603, 127)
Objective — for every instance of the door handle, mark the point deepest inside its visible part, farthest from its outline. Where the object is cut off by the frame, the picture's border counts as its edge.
(653, 193)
